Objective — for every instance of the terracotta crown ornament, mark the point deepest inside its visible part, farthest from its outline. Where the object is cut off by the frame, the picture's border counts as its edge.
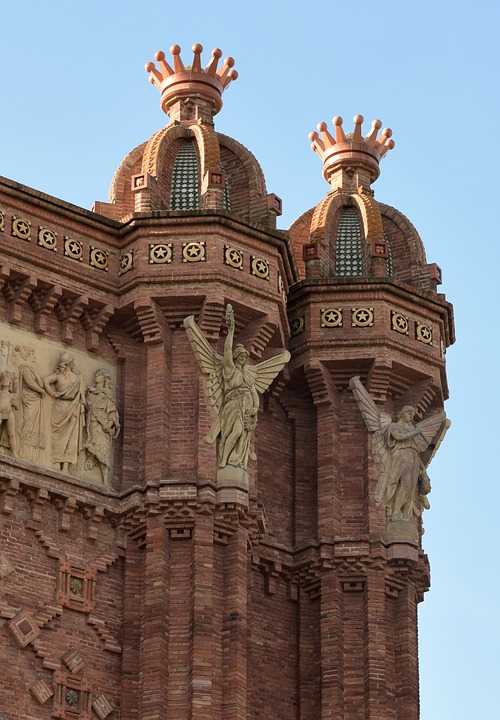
(191, 81)
(351, 149)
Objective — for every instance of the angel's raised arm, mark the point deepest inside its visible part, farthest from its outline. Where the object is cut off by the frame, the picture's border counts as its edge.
(228, 343)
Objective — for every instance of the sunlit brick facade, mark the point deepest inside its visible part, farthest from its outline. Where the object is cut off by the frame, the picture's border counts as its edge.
(131, 584)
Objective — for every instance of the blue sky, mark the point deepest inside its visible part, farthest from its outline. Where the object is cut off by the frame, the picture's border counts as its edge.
(75, 99)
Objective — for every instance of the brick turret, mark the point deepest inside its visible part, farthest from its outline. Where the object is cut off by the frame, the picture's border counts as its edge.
(134, 580)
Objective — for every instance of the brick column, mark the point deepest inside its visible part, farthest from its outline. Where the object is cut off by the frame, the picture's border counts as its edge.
(406, 654)
(154, 660)
(332, 675)
(235, 642)
(202, 671)
(156, 420)
(133, 584)
(376, 655)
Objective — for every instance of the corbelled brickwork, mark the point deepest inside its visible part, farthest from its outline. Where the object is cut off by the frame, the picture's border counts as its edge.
(136, 582)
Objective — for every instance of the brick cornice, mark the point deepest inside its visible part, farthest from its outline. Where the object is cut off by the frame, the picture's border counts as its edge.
(376, 289)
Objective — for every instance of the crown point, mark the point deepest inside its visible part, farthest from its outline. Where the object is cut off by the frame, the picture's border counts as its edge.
(386, 133)
(322, 126)
(217, 53)
(229, 61)
(175, 50)
(377, 124)
(160, 55)
(313, 135)
(390, 144)
(149, 67)
(337, 120)
(197, 48)
(234, 75)
(358, 119)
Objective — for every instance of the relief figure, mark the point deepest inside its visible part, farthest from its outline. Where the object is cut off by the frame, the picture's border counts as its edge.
(403, 449)
(102, 423)
(65, 385)
(8, 404)
(233, 389)
(33, 412)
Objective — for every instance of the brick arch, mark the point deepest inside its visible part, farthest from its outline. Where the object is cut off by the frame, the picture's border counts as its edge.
(323, 223)
(244, 173)
(156, 156)
(299, 234)
(415, 245)
(120, 191)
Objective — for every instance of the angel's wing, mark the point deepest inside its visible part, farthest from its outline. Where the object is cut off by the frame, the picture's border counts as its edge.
(430, 427)
(377, 423)
(210, 362)
(375, 419)
(267, 370)
(437, 440)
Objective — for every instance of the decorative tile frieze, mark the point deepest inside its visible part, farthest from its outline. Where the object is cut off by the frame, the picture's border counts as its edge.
(297, 325)
(362, 317)
(331, 317)
(423, 333)
(41, 691)
(399, 322)
(21, 228)
(233, 257)
(47, 238)
(194, 251)
(126, 262)
(73, 248)
(160, 253)
(259, 267)
(99, 258)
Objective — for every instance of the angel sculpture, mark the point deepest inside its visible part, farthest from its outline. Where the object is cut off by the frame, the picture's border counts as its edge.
(233, 387)
(403, 450)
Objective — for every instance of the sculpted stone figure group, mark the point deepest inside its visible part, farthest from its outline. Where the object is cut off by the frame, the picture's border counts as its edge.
(402, 451)
(233, 388)
(56, 421)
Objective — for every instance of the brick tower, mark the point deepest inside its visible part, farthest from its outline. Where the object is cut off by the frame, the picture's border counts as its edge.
(196, 523)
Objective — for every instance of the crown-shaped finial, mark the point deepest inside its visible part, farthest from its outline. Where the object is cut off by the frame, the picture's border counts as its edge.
(352, 149)
(191, 81)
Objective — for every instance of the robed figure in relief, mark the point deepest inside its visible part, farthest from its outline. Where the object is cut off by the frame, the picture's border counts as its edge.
(33, 411)
(233, 388)
(102, 422)
(66, 386)
(402, 451)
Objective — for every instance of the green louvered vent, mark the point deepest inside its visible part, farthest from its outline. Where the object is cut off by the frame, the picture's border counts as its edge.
(349, 243)
(185, 194)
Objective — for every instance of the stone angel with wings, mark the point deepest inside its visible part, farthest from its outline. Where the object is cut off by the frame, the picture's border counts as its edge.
(233, 388)
(403, 449)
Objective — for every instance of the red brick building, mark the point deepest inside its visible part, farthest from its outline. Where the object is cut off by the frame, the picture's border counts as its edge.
(133, 583)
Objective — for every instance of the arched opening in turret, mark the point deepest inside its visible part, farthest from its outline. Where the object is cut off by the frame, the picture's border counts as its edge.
(349, 256)
(185, 180)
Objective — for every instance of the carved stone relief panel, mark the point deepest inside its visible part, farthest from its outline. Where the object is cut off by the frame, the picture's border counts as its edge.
(57, 406)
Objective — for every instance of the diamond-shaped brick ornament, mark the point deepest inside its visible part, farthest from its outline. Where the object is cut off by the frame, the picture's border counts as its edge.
(73, 661)
(6, 567)
(41, 691)
(102, 707)
(24, 628)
